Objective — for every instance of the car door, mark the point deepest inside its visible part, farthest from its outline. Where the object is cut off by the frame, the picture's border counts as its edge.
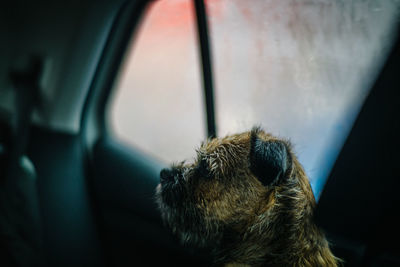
(125, 157)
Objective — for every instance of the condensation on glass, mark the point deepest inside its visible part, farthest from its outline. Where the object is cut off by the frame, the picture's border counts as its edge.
(300, 69)
(158, 102)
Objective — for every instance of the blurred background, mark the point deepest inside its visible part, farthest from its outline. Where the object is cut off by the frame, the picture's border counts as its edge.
(300, 69)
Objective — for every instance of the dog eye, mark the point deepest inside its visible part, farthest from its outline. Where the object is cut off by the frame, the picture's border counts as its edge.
(202, 169)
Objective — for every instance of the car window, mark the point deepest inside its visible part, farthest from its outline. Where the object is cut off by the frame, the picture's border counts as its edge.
(300, 69)
(158, 101)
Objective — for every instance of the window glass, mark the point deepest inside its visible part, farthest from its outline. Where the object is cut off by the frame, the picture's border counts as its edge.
(158, 102)
(300, 69)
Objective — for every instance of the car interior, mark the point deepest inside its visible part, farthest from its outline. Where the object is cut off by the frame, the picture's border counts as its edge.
(88, 198)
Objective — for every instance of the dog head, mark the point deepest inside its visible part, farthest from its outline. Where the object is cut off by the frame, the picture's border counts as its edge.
(232, 183)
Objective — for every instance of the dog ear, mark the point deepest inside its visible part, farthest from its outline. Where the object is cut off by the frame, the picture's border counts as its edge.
(269, 160)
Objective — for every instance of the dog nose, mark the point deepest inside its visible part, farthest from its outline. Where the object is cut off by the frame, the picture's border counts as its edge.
(166, 175)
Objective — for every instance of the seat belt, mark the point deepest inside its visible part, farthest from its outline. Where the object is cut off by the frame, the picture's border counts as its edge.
(20, 223)
(26, 85)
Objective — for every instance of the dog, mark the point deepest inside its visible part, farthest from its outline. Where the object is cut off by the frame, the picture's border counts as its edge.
(248, 200)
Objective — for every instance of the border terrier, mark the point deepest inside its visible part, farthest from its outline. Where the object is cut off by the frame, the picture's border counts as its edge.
(248, 200)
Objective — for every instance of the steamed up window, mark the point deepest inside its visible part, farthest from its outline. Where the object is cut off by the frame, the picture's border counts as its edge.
(300, 69)
(158, 102)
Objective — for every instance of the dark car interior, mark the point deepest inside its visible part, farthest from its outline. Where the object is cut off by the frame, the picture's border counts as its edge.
(91, 198)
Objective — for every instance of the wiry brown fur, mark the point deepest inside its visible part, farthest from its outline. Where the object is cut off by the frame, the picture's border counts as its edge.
(217, 202)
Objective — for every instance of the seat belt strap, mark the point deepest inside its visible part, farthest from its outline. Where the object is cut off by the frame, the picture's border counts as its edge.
(26, 84)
